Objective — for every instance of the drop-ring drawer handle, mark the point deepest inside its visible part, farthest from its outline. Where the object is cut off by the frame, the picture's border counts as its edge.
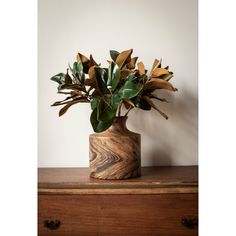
(52, 224)
(190, 223)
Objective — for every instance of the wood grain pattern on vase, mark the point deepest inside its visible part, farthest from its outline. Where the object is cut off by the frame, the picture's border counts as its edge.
(115, 153)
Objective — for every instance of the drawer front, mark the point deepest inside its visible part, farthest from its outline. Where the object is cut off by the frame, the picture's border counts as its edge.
(159, 215)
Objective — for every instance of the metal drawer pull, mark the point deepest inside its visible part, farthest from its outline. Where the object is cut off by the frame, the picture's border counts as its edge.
(190, 223)
(52, 224)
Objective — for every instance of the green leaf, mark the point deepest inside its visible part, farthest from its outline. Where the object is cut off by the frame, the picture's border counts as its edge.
(129, 90)
(130, 76)
(78, 70)
(115, 101)
(107, 99)
(99, 125)
(100, 108)
(101, 76)
(114, 54)
(107, 114)
(94, 102)
(105, 111)
(59, 78)
(114, 75)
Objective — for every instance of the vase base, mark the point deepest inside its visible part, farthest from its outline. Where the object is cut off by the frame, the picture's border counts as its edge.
(106, 176)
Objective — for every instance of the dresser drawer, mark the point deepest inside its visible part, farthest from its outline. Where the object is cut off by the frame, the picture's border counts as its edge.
(154, 214)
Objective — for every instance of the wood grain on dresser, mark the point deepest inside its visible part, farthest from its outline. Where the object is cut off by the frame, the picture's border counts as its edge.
(153, 204)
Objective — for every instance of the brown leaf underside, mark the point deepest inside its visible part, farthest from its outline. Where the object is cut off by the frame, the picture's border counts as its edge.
(128, 104)
(141, 68)
(159, 72)
(82, 58)
(159, 84)
(131, 64)
(150, 102)
(125, 73)
(123, 57)
(155, 64)
(69, 104)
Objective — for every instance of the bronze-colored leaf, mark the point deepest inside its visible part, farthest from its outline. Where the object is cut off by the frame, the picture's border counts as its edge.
(92, 78)
(69, 104)
(141, 68)
(90, 82)
(92, 61)
(58, 103)
(155, 64)
(73, 92)
(82, 58)
(96, 92)
(85, 62)
(68, 79)
(159, 84)
(61, 92)
(166, 77)
(150, 102)
(91, 72)
(73, 86)
(159, 72)
(78, 93)
(74, 96)
(125, 73)
(124, 57)
(132, 63)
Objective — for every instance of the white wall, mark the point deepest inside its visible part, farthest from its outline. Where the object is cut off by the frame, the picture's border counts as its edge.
(154, 29)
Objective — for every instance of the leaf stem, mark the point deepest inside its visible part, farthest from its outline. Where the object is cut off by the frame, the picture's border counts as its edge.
(119, 109)
(128, 111)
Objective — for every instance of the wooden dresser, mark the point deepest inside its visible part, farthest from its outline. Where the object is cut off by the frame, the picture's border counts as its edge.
(163, 202)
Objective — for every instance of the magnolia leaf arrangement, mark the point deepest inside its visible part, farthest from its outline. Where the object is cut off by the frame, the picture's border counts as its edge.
(108, 89)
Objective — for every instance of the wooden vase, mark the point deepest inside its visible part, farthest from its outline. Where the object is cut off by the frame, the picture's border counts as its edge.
(115, 153)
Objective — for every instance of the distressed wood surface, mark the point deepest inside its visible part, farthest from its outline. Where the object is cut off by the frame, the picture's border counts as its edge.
(167, 190)
(153, 204)
(115, 153)
(115, 215)
(171, 179)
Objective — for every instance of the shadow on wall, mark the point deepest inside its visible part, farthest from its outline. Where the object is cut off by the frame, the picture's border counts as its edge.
(172, 142)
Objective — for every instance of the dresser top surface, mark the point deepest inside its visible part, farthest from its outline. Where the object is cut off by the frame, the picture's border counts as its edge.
(170, 176)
